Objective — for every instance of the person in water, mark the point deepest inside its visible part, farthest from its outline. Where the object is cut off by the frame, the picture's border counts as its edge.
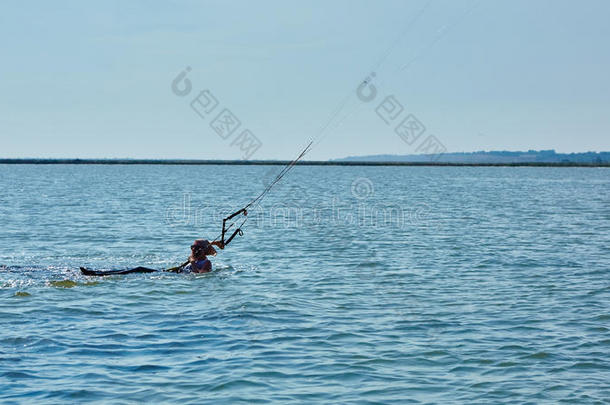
(197, 262)
(200, 249)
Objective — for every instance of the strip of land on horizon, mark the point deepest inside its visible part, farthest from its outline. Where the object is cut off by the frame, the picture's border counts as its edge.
(492, 158)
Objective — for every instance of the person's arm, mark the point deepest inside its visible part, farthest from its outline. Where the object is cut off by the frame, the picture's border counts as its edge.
(218, 243)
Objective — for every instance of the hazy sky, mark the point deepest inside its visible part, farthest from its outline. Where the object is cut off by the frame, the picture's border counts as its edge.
(93, 78)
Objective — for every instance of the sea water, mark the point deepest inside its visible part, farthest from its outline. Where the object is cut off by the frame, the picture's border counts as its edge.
(349, 285)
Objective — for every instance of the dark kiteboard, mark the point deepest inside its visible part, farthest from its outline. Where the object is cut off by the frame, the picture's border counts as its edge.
(89, 272)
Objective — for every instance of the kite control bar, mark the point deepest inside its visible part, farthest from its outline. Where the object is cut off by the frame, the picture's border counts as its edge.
(235, 232)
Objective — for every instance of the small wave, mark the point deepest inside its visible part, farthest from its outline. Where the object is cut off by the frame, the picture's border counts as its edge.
(18, 375)
(239, 384)
(149, 368)
(537, 356)
(585, 365)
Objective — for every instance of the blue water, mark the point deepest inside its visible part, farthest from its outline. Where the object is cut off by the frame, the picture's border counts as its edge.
(350, 285)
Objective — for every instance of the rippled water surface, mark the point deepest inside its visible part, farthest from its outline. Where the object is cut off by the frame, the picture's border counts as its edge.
(350, 285)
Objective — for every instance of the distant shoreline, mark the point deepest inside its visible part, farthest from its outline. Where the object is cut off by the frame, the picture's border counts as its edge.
(283, 162)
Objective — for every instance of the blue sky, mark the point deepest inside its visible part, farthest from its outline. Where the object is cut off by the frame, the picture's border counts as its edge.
(93, 79)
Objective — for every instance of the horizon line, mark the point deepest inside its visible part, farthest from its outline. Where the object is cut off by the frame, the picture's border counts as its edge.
(195, 162)
(5, 159)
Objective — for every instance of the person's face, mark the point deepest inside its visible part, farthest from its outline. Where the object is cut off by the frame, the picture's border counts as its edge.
(198, 250)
